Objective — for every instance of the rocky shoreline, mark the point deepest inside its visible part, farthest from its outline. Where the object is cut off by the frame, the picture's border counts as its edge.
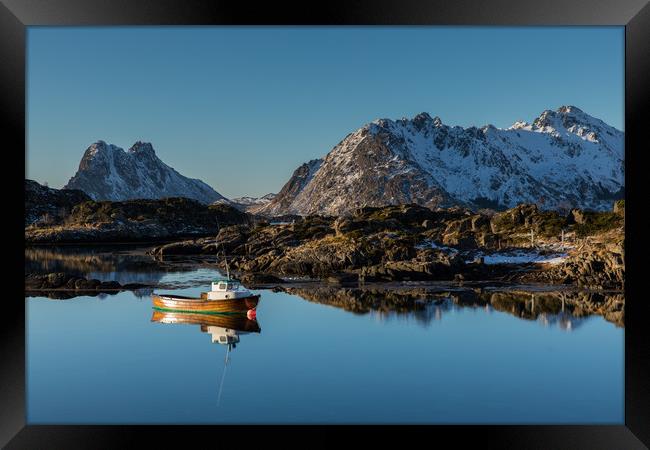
(414, 243)
(374, 244)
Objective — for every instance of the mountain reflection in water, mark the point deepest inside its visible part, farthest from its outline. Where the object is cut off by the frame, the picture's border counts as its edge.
(565, 309)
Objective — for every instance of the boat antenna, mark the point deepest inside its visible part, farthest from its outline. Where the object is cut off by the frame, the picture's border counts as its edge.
(225, 258)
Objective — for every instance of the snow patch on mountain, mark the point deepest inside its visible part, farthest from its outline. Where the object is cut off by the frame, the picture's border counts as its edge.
(247, 203)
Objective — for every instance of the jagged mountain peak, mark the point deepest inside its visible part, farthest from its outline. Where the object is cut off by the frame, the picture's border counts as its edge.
(99, 146)
(565, 157)
(422, 119)
(573, 123)
(422, 116)
(548, 119)
(560, 119)
(108, 172)
(564, 117)
(100, 150)
(142, 147)
(519, 124)
(569, 109)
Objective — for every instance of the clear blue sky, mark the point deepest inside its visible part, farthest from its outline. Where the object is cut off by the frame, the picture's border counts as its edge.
(242, 107)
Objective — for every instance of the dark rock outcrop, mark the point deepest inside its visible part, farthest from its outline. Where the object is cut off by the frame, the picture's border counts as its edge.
(597, 263)
(47, 205)
(411, 242)
(136, 221)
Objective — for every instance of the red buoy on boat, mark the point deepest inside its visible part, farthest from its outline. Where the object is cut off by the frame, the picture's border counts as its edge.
(251, 314)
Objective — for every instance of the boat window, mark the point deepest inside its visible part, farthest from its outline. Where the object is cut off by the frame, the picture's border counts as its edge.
(222, 338)
(222, 286)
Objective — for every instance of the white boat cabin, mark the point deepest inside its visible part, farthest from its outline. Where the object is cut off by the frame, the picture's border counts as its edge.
(227, 289)
(225, 285)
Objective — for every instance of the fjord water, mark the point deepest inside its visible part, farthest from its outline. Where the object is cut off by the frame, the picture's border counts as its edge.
(102, 360)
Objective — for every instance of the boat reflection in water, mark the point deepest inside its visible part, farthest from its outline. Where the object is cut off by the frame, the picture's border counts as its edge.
(224, 329)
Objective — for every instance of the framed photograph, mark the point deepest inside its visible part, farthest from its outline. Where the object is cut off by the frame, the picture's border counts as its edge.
(255, 222)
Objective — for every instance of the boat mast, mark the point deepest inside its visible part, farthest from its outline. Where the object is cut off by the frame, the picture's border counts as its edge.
(223, 375)
(225, 258)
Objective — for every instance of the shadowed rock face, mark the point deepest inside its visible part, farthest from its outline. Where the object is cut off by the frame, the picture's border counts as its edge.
(299, 179)
(593, 265)
(426, 303)
(47, 205)
(136, 221)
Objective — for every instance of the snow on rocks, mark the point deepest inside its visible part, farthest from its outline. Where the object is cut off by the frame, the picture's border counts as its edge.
(521, 256)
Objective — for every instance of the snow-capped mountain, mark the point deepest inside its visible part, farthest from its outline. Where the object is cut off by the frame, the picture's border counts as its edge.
(564, 158)
(107, 172)
(246, 203)
(250, 201)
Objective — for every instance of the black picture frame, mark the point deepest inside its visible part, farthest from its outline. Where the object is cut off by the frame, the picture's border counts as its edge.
(16, 15)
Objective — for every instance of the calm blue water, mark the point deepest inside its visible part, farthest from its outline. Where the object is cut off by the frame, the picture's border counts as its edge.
(101, 360)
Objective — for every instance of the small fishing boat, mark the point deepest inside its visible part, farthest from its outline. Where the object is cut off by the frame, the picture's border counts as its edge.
(227, 296)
